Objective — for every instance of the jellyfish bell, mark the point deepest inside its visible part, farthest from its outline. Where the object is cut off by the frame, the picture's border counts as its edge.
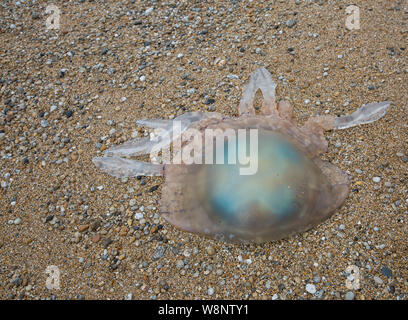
(287, 190)
(289, 193)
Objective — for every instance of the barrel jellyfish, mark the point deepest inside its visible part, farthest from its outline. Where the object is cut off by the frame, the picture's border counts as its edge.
(289, 190)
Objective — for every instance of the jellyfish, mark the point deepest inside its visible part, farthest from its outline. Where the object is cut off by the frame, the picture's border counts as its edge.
(287, 189)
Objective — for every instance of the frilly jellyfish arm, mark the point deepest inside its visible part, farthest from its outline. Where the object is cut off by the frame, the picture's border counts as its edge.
(132, 147)
(165, 134)
(315, 126)
(121, 167)
(260, 79)
(366, 114)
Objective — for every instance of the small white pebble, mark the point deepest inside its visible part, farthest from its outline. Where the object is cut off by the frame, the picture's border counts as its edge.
(378, 280)
(138, 215)
(210, 291)
(148, 11)
(376, 179)
(311, 288)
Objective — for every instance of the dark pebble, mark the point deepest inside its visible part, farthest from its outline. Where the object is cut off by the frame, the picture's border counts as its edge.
(154, 188)
(17, 282)
(386, 272)
(209, 101)
(68, 113)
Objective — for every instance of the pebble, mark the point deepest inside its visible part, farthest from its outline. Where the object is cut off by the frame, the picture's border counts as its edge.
(290, 23)
(111, 71)
(311, 288)
(96, 238)
(210, 250)
(349, 295)
(138, 215)
(210, 291)
(376, 179)
(319, 294)
(179, 264)
(68, 113)
(159, 252)
(386, 272)
(83, 227)
(378, 280)
(148, 11)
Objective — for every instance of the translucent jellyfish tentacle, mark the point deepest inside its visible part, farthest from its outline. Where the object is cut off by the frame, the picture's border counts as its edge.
(319, 124)
(164, 134)
(121, 167)
(132, 147)
(365, 114)
(260, 79)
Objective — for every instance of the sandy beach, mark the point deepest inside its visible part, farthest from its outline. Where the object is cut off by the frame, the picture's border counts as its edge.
(73, 86)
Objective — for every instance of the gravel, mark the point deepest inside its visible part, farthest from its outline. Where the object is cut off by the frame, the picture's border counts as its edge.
(62, 103)
(311, 288)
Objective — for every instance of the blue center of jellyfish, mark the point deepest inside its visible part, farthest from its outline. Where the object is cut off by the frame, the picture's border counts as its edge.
(270, 189)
